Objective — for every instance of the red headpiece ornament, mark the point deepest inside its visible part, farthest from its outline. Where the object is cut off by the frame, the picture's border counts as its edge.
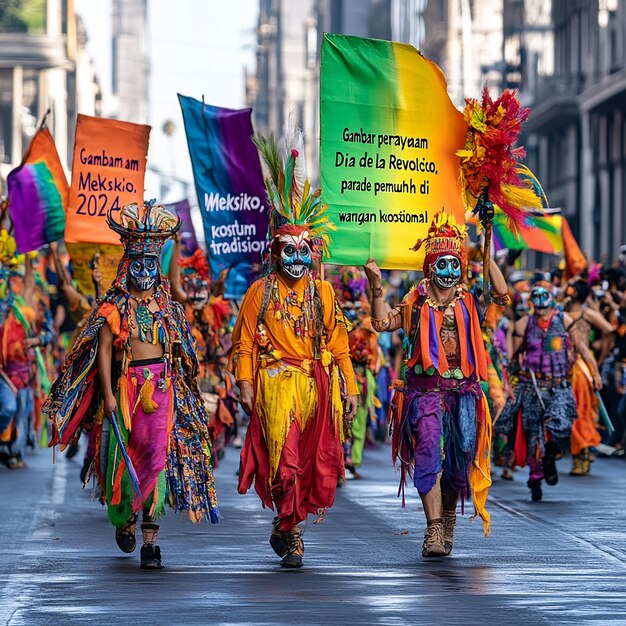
(445, 236)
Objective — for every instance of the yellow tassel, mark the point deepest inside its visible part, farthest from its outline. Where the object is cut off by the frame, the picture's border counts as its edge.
(124, 406)
(145, 396)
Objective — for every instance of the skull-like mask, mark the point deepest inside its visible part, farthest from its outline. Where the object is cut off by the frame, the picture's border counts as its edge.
(542, 299)
(446, 271)
(197, 291)
(295, 256)
(143, 272)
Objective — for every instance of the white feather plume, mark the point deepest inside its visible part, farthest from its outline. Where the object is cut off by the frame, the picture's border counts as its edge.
(293, 139)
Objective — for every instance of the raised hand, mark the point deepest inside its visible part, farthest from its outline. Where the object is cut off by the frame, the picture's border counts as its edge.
(373, 273)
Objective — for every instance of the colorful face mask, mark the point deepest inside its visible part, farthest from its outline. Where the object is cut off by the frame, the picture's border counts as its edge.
(197, 291)
(541, 298)
(143, 273)
(522, 304)
(446, 271)
(295, 255)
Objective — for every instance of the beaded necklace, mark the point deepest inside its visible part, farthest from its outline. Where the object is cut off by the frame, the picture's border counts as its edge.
(147, 322)
(458, 294)
(300, 321)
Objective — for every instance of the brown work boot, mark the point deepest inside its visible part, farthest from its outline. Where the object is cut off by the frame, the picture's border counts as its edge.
(279, 539)
(295, 549)
(577, 466)
(585, 461)
(433, 539)
(449, 521)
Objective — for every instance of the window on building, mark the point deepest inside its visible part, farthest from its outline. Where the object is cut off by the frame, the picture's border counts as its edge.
(30, 104)
(310, 36)
(23, 16)
(6, 117)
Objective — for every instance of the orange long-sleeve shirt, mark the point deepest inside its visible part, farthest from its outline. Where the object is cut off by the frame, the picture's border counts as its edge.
(282, 336)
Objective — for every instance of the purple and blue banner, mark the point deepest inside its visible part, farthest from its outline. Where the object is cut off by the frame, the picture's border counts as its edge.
(231, 193)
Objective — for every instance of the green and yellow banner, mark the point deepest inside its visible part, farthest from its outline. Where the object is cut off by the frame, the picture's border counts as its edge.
(389, 134)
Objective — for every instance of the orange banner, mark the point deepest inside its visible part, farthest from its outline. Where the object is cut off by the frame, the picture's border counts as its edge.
(575, 261)
(108, 172)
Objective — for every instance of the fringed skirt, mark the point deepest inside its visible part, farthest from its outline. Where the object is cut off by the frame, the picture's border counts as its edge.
(164, 431)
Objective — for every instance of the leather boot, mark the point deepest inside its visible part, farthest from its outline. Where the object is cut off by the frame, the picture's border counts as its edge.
(279, 539)
(150, 552)
(535, 489)
(577, 465)
(434, 539)
(449, 521)
(125, 535)
(585, 461)
(295, 549)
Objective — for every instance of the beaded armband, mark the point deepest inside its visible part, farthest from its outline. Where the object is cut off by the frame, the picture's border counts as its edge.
(380, 325)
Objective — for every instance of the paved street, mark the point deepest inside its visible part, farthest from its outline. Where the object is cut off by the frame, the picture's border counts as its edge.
(561, 561)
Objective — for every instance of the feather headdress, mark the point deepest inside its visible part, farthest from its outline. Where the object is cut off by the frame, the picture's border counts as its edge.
(144, 229)
(294, 207)
(490, 166)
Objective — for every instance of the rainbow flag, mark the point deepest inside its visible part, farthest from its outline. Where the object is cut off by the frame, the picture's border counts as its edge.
(389, 137)
(38, 193)
(542, 233)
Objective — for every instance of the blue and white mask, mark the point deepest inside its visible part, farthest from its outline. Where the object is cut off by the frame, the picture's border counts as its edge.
(143, 272)
(446, 271)
(295, 255)
(541, 298)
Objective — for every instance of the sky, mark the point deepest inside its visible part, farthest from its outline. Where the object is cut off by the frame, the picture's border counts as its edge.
(197, 47)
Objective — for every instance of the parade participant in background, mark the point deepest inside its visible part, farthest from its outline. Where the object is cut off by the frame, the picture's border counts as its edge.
(131, 376)
(290, 351)
(78, 303)
(207, 313)
(493, 387)
(72, 311)
(25, 327)
(350, 291)
(585, 434)
(537, 420)
(440, 417)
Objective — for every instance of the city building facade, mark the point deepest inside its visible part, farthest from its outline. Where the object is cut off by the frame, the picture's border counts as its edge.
(44, 64)
(576, 136)
(130, 75)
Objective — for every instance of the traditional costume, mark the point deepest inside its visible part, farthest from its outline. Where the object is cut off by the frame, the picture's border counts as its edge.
(440, 421)
(208, 314)
(365, 355)
(155, 450)
(25, 327)
(536, 423)
(585, 434)
(290, 343)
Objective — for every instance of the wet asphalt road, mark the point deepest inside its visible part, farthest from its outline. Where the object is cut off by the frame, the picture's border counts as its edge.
(561, 561)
